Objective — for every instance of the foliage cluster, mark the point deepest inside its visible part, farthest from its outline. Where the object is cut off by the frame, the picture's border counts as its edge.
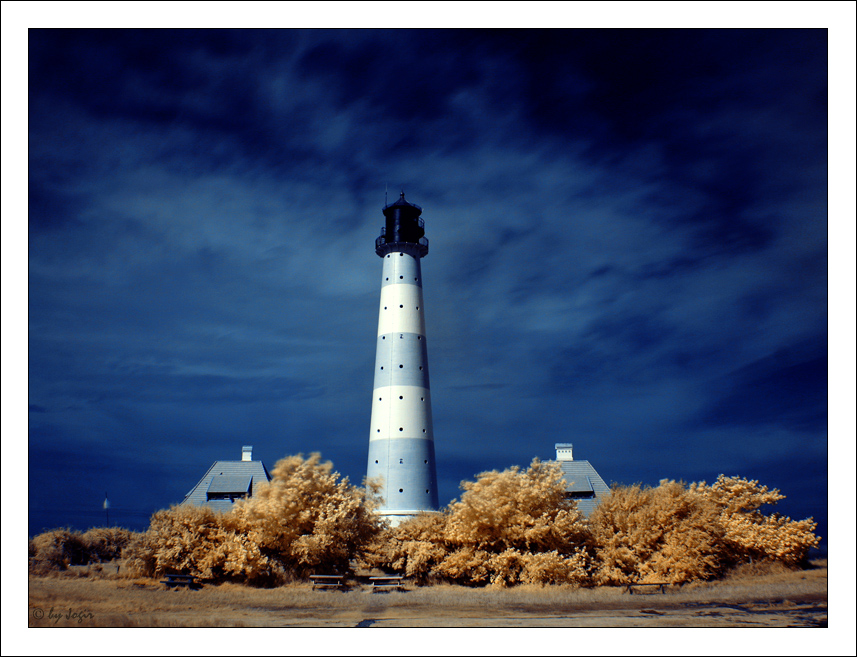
(511, 527)
(516, 527)
(305, 519)
(58, 549)
(749, 534)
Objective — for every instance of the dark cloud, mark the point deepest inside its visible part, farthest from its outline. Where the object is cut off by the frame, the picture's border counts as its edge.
(787, 389)
(627, 231)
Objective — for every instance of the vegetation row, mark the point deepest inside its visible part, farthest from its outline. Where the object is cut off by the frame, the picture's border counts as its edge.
(510, 527)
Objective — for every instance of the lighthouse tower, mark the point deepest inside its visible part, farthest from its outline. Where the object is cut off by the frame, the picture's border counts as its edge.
(401, 441)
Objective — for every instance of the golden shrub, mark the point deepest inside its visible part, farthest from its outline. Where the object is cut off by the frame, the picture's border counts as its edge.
(751, 535)
(514, 509)
(679, 534)
(555, 568)
(465, 565)
(58, 549)
(183, 539)
(509, 527)
(106, 543)
(663, 534)
(414, 548)
(306, 519)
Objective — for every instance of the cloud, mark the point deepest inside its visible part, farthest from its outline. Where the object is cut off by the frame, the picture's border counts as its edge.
(627, 231)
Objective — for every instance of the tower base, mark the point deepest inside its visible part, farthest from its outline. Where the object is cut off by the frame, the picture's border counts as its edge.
(397, 516)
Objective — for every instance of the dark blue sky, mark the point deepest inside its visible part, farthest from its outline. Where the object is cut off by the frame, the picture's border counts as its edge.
(629, 252)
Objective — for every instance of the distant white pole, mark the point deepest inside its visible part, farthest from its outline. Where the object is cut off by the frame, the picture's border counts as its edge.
(107, 508)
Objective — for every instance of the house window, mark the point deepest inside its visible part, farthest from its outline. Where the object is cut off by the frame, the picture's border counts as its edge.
(579, 495)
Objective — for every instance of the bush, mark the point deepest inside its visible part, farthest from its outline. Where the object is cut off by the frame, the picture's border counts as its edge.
(750, 535)
(305, 520)
(415, 547)
(668, 533)
(106, 543)
(309, 519)
(680, 534)
(509, 527)
(58, 549)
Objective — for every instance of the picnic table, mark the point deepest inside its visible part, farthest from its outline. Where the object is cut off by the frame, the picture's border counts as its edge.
(327, 582)
(180, 580)
(387, 583)
(629, 587)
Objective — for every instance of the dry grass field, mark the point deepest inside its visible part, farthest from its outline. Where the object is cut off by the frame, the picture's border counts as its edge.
(92, 596)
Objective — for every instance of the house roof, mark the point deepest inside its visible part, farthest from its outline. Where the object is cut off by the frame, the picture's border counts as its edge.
(227, 477)
(581, 477)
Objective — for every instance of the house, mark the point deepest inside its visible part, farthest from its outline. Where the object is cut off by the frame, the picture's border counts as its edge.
(227, 481)
(584, 485)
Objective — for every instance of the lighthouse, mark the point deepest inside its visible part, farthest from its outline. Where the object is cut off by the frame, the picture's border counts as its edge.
(401, 440)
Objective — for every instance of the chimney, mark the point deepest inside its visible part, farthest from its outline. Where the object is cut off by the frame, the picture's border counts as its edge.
(563, 451)
(247, 453)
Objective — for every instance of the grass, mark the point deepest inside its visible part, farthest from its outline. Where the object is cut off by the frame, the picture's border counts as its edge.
(92, 597)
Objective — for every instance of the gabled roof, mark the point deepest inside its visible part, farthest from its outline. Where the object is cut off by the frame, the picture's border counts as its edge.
(581, 477)
(225, 477)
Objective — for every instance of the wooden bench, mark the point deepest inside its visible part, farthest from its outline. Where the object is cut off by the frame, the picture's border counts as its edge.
(180, 580)
(630, 587)
(387, 583)
(327, 582)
